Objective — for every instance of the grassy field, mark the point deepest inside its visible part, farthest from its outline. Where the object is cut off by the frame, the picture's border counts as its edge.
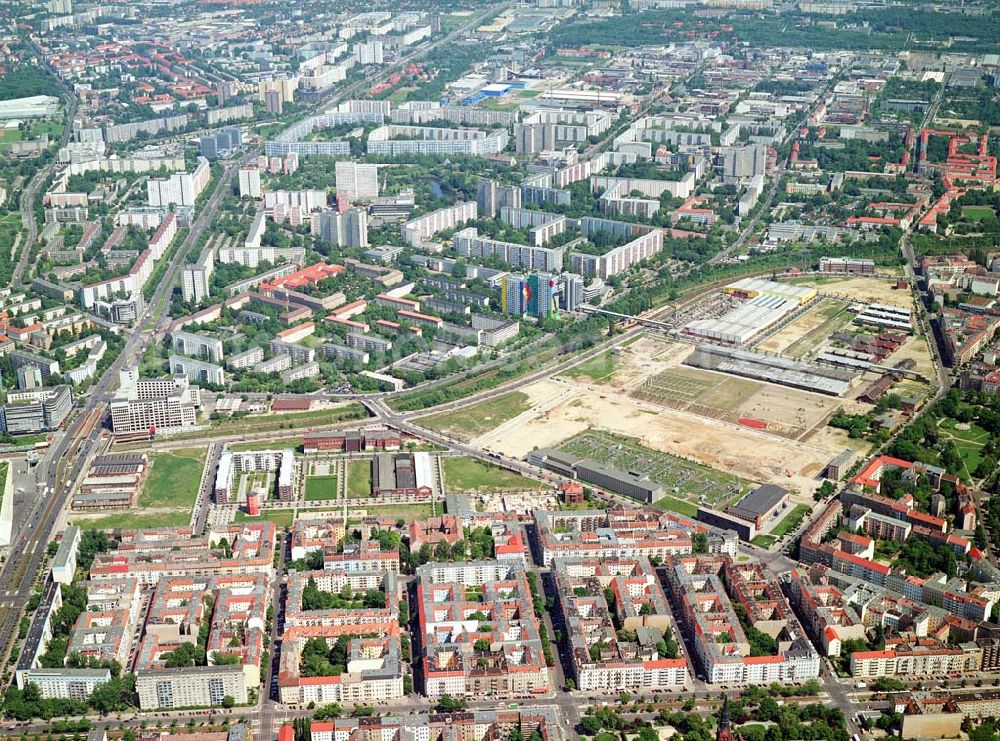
(790, 521)
(271, 444)
(473, 421)
(270, 422)
(173, 479)
(977, 213)
(9, 136)
(166, 499)
(677, 505)
(970, 441)
(30, 439)
(598, 369)
(280, 517)
(764, 541)
(399, 94)
(135, 519)
(321, 487)
(408, 512)
(359, 479)
(469, 474)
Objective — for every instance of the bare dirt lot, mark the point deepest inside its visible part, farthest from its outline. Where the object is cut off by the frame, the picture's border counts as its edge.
(809, 331)
(752, 454)
(868, 290)
(917, 349)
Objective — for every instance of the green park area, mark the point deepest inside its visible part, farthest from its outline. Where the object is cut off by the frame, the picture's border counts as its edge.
(359, 479)
(321, 487)
(471, 422)
(468, 474)
(968, 437)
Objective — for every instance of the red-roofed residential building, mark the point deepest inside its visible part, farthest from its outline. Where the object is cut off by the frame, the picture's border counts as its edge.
(306, 276)
(917, 660)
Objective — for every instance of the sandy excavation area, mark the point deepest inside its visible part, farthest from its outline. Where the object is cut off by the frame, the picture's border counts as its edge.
(751, 454)
(645, 358)
(788, 410)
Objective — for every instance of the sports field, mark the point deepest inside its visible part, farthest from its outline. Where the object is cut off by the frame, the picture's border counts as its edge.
(977, 213)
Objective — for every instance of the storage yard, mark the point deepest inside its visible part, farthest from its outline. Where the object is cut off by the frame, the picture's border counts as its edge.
(766, 304)
(820, 379)
(684, 480)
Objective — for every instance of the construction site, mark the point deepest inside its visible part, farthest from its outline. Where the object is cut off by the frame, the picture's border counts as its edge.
(669, 391)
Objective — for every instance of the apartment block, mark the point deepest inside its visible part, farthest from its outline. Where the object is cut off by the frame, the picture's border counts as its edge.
(603, 658)
(479, 630)
(703, 590)
(623, 532)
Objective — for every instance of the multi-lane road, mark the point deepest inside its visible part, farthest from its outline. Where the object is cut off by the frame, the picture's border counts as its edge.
(66, 460)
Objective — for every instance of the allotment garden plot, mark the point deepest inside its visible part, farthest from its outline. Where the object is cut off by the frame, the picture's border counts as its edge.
(688, 483)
